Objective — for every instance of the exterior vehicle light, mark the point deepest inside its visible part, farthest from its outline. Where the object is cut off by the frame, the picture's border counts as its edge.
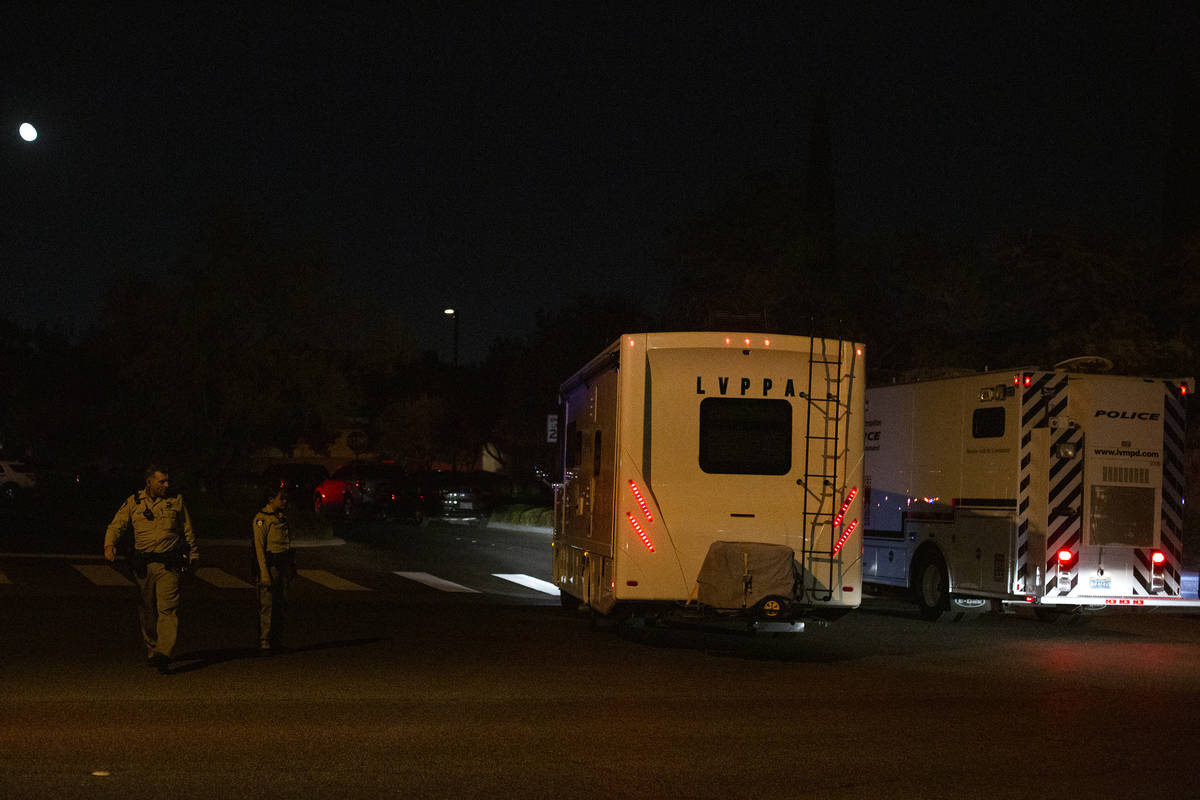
(637, 495)
(1066, 559)
(837, 548)
(1157, 580)
(637, 527)
(845, 505)
(1065, 450)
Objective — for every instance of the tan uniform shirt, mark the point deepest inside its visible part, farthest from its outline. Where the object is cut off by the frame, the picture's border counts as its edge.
(159, 526)
(271, 533)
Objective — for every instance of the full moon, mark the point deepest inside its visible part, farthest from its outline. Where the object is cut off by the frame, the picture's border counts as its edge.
(27, 131)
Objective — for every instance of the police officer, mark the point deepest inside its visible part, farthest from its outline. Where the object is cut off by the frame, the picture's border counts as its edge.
(275, 566)
(163, 547)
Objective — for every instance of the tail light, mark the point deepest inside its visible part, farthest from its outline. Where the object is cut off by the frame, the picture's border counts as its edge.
(1066, 568)
(641, 532)
(845, 536)
(641, 501)
(1158, 560)
(841, 515)
(837, 520)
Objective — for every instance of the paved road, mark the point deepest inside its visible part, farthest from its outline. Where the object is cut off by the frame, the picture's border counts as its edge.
(406, 688)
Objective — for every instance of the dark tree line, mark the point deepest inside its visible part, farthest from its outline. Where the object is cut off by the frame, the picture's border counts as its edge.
(924, 304)
(243, 342)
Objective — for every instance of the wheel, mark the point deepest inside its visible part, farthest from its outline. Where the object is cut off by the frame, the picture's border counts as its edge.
(348, 507)
(931, 588)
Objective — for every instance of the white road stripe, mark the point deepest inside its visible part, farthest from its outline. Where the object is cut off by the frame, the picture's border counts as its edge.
(331, 581)
(436, 582)
(530, 582)
(220, 578)
(102, 575)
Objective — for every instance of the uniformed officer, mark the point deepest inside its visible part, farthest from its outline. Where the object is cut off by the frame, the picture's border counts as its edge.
(275, 567)
(163, 548)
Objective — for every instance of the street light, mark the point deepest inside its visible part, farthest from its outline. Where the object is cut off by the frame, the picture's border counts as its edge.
(27, 132)
(449, 312)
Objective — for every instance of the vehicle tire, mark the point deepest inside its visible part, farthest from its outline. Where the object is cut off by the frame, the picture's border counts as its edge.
(569, 601)
(930, 589)
(347, 507)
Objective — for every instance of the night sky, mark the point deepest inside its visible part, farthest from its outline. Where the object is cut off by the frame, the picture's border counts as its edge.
(504, 157)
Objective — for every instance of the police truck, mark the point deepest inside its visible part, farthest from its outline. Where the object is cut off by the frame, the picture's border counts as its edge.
(1059, 489)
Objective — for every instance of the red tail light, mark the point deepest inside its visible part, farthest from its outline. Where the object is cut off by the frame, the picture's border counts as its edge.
(1158, 558)
(845, 505)
(837, 548)
(1065, 557)
(637, 495)
(637, 527)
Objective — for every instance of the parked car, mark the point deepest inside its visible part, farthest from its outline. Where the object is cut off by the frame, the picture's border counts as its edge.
(470, 496)
(367, 489)
(16, 478)
(300, 480)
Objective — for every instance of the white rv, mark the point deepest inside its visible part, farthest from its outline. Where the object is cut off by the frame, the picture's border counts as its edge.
(1057, 489)
(715, 474)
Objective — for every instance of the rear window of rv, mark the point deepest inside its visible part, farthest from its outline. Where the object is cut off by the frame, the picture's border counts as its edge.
(988, 423)
(745, 437)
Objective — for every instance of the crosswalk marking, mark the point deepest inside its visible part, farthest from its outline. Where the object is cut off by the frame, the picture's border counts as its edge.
(331, 581)
(220, 578)
(437, 583)
(102, 575)
(530, 583)
(107, 575)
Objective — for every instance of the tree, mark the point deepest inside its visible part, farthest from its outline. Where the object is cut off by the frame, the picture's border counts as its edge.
(240, 348)
(524, 375)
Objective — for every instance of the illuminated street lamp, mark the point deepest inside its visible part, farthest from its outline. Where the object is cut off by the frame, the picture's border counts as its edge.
(27, 132)
(449, 312)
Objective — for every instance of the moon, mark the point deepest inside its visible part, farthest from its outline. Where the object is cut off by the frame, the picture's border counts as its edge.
(27, 131)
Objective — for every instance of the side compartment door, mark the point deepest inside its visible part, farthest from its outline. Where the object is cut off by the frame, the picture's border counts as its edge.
(981, 550)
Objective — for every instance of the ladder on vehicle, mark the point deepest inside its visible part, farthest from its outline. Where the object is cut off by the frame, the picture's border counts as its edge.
(827, 409)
